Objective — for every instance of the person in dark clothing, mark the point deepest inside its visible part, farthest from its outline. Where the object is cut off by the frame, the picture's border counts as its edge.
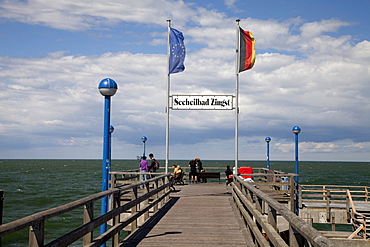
(153, 163)
(193, 175)
(199, 164)
(229, 175)
(200, 169)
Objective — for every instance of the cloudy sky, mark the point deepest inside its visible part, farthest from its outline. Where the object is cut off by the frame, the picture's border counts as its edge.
(312, 70)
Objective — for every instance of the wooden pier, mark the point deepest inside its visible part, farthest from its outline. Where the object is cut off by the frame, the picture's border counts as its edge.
(260, 213)
(198, 215)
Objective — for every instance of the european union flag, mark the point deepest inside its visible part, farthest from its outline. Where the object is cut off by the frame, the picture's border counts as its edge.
(177, 51)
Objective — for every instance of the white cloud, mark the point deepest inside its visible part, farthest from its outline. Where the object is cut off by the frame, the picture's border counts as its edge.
(302, 76)
(230, 3)
(314, 29)
(86, 14)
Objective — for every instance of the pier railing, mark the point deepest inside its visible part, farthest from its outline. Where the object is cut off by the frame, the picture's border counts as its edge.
(137, 205)
(333, 193)
(358, 220)
(260, 213)
(335, 197)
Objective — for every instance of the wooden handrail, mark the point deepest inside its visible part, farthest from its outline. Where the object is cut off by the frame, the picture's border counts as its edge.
(36, 221)
(361, 226)
(335, 192)
(249, 201)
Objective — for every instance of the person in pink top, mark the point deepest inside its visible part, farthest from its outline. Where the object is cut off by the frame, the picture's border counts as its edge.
(143, 168)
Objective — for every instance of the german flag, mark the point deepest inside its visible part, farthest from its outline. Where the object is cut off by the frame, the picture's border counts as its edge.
(247, 53)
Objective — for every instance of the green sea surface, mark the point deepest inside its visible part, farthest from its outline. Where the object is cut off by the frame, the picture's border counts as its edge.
(32, 186)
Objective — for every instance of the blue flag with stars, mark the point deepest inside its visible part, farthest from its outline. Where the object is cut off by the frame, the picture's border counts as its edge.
(177, 51)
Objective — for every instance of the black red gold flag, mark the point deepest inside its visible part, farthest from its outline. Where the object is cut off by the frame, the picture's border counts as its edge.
(247, 53)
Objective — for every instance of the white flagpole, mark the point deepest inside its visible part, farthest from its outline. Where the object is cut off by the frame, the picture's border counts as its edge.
(237, 97)
(168, 97)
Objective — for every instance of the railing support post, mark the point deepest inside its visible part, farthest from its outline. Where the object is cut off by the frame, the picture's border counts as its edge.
(292, 197)
(134, 209)
(295, 238)
(113, 181)
(36, 235)
(332, 221)
(88, 216)
(166, 180)
(259, 206)
(116, 203)
(146, 202)
(161, 202)
(348, 207)
(300, 203)
(155, 208)
(272, 217)
(328, 209)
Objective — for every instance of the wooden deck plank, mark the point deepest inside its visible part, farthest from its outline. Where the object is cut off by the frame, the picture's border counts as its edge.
(201, 215)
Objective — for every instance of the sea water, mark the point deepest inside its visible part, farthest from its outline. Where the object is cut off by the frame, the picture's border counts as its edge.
(31, 186)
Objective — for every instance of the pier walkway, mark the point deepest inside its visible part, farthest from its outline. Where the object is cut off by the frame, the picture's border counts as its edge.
(198, 215)
(150, 213)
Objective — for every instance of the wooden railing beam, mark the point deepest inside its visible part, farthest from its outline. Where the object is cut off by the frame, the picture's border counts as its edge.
(36, 221)
(307, 232)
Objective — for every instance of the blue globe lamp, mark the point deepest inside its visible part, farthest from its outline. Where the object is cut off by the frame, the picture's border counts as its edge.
(108, 87)
(296, 130)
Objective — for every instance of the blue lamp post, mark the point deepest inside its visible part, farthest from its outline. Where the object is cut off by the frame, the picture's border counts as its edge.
(296, 130)
(268, 139)
(144, 139)
(107, 88)
(111, 130)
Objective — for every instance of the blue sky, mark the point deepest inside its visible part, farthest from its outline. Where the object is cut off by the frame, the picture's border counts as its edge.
(312, 70)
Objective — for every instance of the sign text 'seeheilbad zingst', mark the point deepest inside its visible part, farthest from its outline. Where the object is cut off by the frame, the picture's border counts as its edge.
(202, 102)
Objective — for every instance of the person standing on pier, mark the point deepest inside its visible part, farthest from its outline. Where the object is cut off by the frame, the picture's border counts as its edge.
(154, 165)
(229, 175)
(200, 169)
(143, 168)
(193, 175)
(199, 164)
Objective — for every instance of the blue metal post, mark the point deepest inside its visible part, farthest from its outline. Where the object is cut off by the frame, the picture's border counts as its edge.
(296, 130)
(111, 129)
(268, 139)
(106, 161)
(268, 156)
(296, 159)
(107, 88)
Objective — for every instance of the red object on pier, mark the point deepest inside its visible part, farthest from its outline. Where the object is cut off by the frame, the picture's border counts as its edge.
(245, 170)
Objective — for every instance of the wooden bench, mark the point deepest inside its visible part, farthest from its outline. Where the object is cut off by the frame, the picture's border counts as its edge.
(209, 175)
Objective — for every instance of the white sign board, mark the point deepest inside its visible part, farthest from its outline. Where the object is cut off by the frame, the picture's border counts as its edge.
(202, 102)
